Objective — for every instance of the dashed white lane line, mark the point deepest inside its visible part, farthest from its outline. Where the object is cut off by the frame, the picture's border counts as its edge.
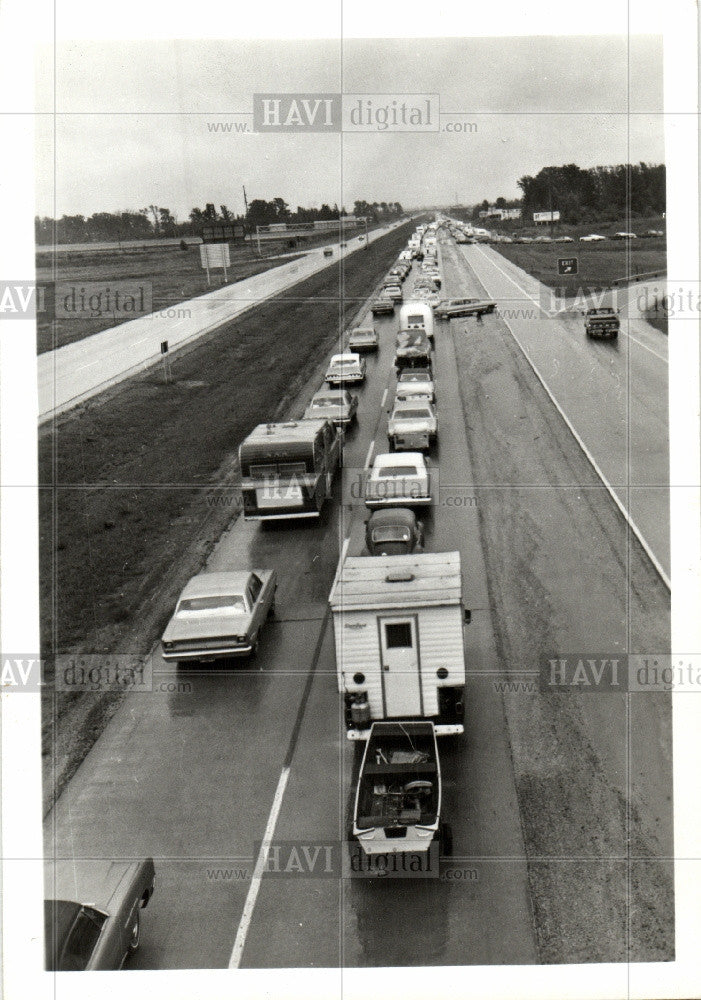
(535, 302)
(257, 878)
(384, 397)
(368, 457)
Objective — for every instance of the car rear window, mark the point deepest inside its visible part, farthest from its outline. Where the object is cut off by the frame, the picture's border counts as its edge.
(397, 470)
(322, 401)
(391, 534)
(418, 413)
(216, 602)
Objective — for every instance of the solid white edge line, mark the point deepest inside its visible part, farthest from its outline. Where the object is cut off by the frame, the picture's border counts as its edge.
(633, 526)
(544, 311)
(257, 877)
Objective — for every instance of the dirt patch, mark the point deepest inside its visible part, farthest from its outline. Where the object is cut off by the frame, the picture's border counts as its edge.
(564, 575)
(132, 481)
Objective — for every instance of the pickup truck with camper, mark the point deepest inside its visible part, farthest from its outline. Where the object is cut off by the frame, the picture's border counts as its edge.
(412, 425)
(414, 315)
(287, 469)
(398, 627)
(602, 322)
(413, 350)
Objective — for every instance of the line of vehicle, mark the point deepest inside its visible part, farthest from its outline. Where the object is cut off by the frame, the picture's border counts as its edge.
(535, 302)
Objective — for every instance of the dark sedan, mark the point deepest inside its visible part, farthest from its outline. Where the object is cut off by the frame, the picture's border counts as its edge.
(394, 531)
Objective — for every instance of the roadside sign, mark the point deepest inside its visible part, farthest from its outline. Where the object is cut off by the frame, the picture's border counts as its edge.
(215, 255)
(567, 265)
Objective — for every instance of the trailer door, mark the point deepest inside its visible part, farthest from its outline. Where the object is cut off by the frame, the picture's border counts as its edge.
(401, 680)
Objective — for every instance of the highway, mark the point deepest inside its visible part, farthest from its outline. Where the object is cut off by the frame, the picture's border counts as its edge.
(198, 771)
(615, 392)
(77, 371)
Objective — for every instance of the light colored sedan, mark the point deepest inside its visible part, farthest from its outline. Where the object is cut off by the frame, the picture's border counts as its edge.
(413, 425)
(92, 919)
(416, 383)
(345, 369)
(337, 405)
(219, 615)
(593, 238)
(398, 481)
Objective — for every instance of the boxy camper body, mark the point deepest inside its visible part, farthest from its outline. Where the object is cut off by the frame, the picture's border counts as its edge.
(398, 626)
(416, 315)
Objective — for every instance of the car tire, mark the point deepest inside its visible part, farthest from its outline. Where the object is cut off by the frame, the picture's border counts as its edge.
(271, 609)
(255, 647)
(134, 935)
(390, 443)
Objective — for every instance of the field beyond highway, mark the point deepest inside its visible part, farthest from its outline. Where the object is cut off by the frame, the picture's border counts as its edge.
(600, 264)
(127, 513)
(172, 274)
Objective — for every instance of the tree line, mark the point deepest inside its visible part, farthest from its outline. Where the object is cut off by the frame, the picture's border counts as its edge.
(153, 222)
(595, 194)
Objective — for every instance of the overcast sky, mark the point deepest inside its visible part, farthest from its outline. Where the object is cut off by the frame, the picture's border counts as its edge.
(134, 118)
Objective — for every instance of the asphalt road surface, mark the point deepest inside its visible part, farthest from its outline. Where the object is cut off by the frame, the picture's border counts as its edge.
(199, 771)
(79, 370)
(614, 392)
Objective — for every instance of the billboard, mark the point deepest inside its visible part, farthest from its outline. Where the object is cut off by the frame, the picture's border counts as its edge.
(546, 217)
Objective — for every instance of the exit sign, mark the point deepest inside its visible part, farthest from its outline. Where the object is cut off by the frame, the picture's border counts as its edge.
(567, 265)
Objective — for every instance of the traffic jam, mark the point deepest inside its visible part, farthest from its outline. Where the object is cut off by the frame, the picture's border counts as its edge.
(396, 604)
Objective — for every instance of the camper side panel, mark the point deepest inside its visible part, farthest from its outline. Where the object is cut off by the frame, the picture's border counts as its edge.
(440, 645)
(358, 651)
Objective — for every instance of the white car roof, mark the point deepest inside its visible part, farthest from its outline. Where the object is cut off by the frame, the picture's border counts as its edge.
(342, 358)
(406, 458)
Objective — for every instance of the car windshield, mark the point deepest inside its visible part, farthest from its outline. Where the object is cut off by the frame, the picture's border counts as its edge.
(233, 603)
(344, 363)
(415, 376)
(416, 413)
(397, 470)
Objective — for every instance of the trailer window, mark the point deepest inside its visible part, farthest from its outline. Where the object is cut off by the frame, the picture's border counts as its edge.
(398, 635)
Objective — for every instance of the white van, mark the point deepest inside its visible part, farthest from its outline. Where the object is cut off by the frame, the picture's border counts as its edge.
(415, 315)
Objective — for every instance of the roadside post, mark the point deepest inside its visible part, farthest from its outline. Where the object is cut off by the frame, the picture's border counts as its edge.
(167, 375)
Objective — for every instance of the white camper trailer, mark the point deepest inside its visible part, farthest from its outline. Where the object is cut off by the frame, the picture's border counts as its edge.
(417, 316)
(398, 626)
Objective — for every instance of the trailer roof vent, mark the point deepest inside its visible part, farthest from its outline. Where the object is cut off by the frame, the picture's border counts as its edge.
(399, 576)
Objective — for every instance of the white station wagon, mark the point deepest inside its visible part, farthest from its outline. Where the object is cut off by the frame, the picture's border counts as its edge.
(398, 481)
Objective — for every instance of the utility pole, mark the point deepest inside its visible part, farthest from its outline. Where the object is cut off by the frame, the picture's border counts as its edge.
(245, 202)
